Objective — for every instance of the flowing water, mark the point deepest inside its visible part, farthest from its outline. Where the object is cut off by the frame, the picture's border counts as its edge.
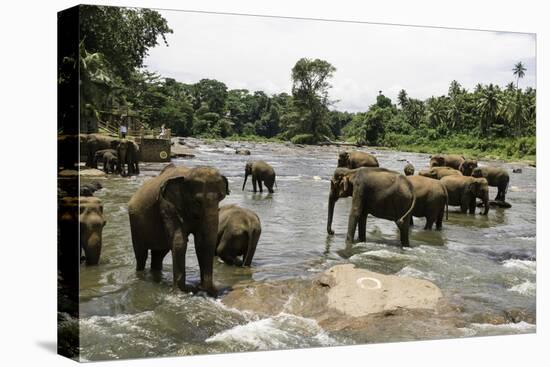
(485, 266)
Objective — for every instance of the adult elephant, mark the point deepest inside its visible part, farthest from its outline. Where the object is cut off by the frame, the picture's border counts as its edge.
(89, 211)
(431, 200)
(238, 233)
(495, 176)
(95, 142)
(463, 191)
(353, 160)
(438, 173)
(383, 193)
(261, 172)
(128, 157)
(446, 160)
(468, 166)
(168, 208)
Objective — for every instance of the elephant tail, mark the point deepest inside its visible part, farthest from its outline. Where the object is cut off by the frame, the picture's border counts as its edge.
(401, 220)
(446, 202)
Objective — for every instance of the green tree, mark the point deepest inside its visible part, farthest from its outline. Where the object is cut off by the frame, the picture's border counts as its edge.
(310, 85)
(402, 98)
(488, 106)
(519, 71)
(123, 35)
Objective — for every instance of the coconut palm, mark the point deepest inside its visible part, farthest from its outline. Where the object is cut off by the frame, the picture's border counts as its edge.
(488, 107)
(519, 71)
(402, 98)
(437, 111)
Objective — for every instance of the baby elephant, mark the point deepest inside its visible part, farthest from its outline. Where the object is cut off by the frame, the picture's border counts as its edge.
(239, 230)
(409, 169)
(261, 172)
(439, 172)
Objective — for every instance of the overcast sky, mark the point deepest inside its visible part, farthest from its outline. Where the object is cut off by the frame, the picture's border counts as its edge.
(257, 53)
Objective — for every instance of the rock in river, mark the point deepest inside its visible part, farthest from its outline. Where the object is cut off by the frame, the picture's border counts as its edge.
(358, 292)
(343, 297)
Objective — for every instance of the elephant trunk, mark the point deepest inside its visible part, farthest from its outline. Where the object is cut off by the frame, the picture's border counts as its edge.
(245, 178)
(207, 250)
(92, 249)
(331, 202)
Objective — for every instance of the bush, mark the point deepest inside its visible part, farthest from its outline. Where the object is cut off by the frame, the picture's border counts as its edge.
(303, 139)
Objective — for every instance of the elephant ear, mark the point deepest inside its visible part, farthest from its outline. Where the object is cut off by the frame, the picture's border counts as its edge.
(172, 190)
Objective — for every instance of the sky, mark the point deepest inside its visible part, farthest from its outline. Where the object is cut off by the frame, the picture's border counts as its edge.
(258, 53)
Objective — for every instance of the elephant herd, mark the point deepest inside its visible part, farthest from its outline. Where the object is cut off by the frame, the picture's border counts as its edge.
(181, 201)
(450, 180)
(116, 155)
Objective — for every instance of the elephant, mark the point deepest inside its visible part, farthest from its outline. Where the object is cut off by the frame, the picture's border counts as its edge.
(89, 213)
(110, 163)
(431, 200)
(463, 191)
(261, 172)
(238, 233)
(109, 158)
(446, 160)
(166, 209)
(242, 151)
(128, 157)
(353, 160)
(95, 142)
(89, 188)
(439, 172)
(378, 191)
(495, 176)
(409, 169)
(467, 167)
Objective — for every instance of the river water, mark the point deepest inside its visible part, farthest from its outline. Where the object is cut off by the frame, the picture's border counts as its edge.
(485, 266)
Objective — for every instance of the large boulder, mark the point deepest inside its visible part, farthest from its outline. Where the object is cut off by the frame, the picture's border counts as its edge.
(180, 151)
(348, 299)
(358, 292)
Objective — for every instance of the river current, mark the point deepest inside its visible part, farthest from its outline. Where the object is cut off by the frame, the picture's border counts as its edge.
(485, 266)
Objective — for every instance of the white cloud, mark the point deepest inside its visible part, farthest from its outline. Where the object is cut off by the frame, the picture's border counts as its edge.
(258, 53)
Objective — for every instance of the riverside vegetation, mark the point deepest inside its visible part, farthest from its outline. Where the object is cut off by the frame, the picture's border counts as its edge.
(489, 121)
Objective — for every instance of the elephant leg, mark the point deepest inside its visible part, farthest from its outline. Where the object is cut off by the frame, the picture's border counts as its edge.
(472, 205)
(429, 223)
(141, 258)
(404, 232)
(439, 221)
(260, 185)
(254, 183)
(270, 187)
(411, 222)
(205, 254)
(156, 258)
(362, 228)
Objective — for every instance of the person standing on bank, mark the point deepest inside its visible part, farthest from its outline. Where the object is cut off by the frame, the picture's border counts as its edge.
(123, 130)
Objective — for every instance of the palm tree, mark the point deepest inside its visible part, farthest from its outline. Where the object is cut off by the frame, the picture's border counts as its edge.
(454, 89)
(488, 107)
(437, 112)
(402, 98)
(519, 71)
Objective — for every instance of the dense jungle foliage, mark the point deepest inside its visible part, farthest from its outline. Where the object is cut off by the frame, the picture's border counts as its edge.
(489, 120)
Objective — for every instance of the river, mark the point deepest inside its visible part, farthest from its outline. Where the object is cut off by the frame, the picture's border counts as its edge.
(485, 266)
